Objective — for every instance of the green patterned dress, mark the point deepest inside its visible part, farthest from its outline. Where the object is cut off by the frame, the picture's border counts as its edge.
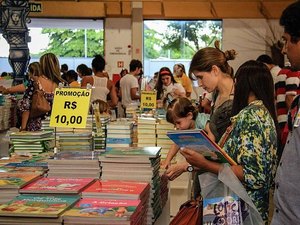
(253, 145)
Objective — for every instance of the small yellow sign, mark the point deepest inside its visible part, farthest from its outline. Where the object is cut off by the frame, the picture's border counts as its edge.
(148, 100)
(70, 107)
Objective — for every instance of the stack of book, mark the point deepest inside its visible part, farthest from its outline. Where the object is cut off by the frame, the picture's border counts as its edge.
(119, 134)
(146, 132)
(46, 125)
(31, 142)
(75, 141)
(164, 188)
(36, 209)
(136, 164)
(163, 141)
(11, 182)
(79, 164)
(5, 105)
(121, 190)
(91, 211)
(99, 124)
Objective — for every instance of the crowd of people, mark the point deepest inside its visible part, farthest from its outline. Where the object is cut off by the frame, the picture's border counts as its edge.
(262, 133)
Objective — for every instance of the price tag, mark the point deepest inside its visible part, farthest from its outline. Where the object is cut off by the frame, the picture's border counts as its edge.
(70, 107)
(148, 100)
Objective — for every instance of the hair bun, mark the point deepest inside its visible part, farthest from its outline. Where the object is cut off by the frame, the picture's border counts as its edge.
(230, 54)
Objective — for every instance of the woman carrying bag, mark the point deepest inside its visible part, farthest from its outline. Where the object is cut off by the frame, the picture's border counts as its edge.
(47, 82)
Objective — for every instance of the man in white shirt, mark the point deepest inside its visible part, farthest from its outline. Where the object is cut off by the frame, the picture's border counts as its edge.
(129, 85)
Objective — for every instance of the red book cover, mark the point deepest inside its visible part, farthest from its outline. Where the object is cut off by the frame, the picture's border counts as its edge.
(117, 189)
(57, 185)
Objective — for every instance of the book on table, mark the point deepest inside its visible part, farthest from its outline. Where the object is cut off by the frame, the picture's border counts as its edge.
(117, 189)
(16, 180)
(199, 141)
(37, 205)
(148, 152)
(57, 185)
(105, 211)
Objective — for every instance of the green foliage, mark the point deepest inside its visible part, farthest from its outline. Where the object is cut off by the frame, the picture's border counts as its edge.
(70, 43)
(184, 38)
(152, 44)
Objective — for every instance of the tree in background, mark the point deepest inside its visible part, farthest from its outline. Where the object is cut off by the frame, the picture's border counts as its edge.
(152, 44)
(71, 43)
(183, 38)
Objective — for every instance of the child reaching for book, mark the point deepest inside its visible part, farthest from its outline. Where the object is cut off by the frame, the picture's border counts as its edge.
(184, 116)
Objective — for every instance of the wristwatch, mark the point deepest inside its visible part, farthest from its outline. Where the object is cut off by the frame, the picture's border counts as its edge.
(190, 168)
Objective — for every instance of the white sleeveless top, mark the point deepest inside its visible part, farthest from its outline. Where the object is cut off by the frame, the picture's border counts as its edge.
(99, 89)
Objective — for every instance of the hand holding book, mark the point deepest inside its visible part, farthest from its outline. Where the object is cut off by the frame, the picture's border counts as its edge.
(198, 141)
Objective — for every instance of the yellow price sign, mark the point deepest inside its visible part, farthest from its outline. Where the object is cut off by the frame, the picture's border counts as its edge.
(148, 100)
(70, 107)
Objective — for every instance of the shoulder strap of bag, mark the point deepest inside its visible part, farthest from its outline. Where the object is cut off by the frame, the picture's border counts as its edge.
(225, 136)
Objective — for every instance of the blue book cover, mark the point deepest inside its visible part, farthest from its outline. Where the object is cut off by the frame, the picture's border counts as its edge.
(199, 141)
(118, 140)
(28, 164)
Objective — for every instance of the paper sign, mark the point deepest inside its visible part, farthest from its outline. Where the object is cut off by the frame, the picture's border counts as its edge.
(148, 100)
(70, 107)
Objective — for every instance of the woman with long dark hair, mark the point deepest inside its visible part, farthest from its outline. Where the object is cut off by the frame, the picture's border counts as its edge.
(252, 143)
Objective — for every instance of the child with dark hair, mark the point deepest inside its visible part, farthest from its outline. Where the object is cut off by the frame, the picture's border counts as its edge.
(83, 70)
(185, 116)
(71, 78)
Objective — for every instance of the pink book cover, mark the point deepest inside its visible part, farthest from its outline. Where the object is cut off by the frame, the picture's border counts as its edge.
(115, 187)
(57, 185)
(110, 209)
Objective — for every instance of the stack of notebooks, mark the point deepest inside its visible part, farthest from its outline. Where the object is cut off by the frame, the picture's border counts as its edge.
(79, 164)
(146, 132)
(119, 134)
(11, 182)
(75, 141)
(36, 209)
(136, 164)
(163, 141)
(31, 142)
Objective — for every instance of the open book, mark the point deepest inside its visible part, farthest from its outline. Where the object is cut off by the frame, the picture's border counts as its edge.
(199, 141)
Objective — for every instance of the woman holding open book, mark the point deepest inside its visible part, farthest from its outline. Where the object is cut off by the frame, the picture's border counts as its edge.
(214, 74)
(252, 142)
